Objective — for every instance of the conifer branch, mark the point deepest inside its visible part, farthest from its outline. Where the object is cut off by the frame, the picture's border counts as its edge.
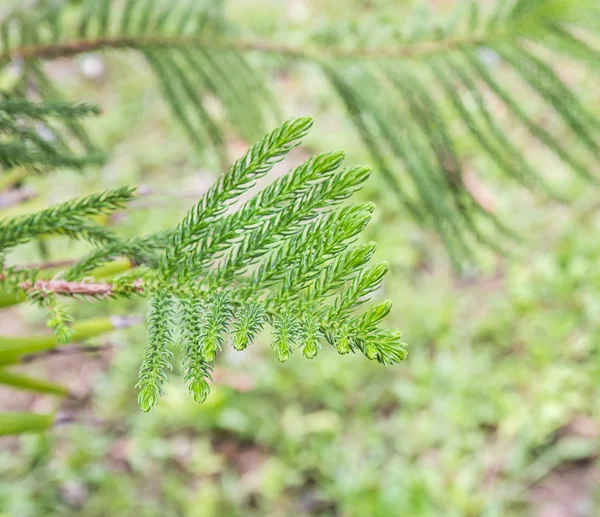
(81, 46)
(306, 282)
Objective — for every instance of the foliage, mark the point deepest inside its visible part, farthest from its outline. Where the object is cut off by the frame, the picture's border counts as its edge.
(496, 413)
(396, 92)
(305, 275)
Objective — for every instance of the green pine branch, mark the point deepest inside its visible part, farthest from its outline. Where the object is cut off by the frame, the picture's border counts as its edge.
(286, 258)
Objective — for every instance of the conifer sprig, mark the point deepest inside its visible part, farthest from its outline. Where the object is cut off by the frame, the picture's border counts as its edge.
(267, 204)
(290, 221)
(44, 110)
(157, 353)
(240, 177)
(197, 371)
(141, 250)
(286, 258)
(300, 245)
(32, 134)
(66, 218)
(60, 320)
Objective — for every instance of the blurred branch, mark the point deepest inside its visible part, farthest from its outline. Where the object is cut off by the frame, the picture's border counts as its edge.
(72, 48)
(23, 382)
(14, 349)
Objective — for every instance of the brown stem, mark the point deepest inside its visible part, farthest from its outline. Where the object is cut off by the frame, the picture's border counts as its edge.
(71, 48)
(63, 287)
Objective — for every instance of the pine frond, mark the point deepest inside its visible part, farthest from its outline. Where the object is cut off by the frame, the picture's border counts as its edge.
(29, 139)
(241, 176)
(158, 29)
(289, 222)
(367, 281)
(345, 267)
(286, 258)
(283, 192)
(286, 334)
(250, 320)
(67, 218)
(69, 128)
(42, 111)
(310, 336)
(461, 64)
(217, 318)
(197, 371)
(141, 250)
(303, 258)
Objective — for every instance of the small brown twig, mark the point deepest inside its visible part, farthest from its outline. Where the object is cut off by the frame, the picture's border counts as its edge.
(71, 48)
(64, 287)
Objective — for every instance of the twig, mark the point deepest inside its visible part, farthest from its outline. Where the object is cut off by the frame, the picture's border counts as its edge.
(71, 48)
(96, 290)
(102, 289)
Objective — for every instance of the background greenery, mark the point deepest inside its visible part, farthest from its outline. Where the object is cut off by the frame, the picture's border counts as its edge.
(496, 411)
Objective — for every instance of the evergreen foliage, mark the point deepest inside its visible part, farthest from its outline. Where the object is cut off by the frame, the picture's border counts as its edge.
(402, 96)
(287, 257)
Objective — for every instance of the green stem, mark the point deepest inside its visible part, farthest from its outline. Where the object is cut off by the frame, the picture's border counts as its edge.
(13, 349)
(23, 382)
(8, 299)
(112, 268)
(18, 423)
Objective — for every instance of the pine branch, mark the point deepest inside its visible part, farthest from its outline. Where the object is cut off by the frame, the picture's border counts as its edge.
(66, 218)
(142, 250)
(42, 111)
(82, 46)
(197, 371)
(307, 280)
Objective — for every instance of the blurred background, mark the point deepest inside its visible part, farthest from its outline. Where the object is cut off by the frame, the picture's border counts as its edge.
(495, 412)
